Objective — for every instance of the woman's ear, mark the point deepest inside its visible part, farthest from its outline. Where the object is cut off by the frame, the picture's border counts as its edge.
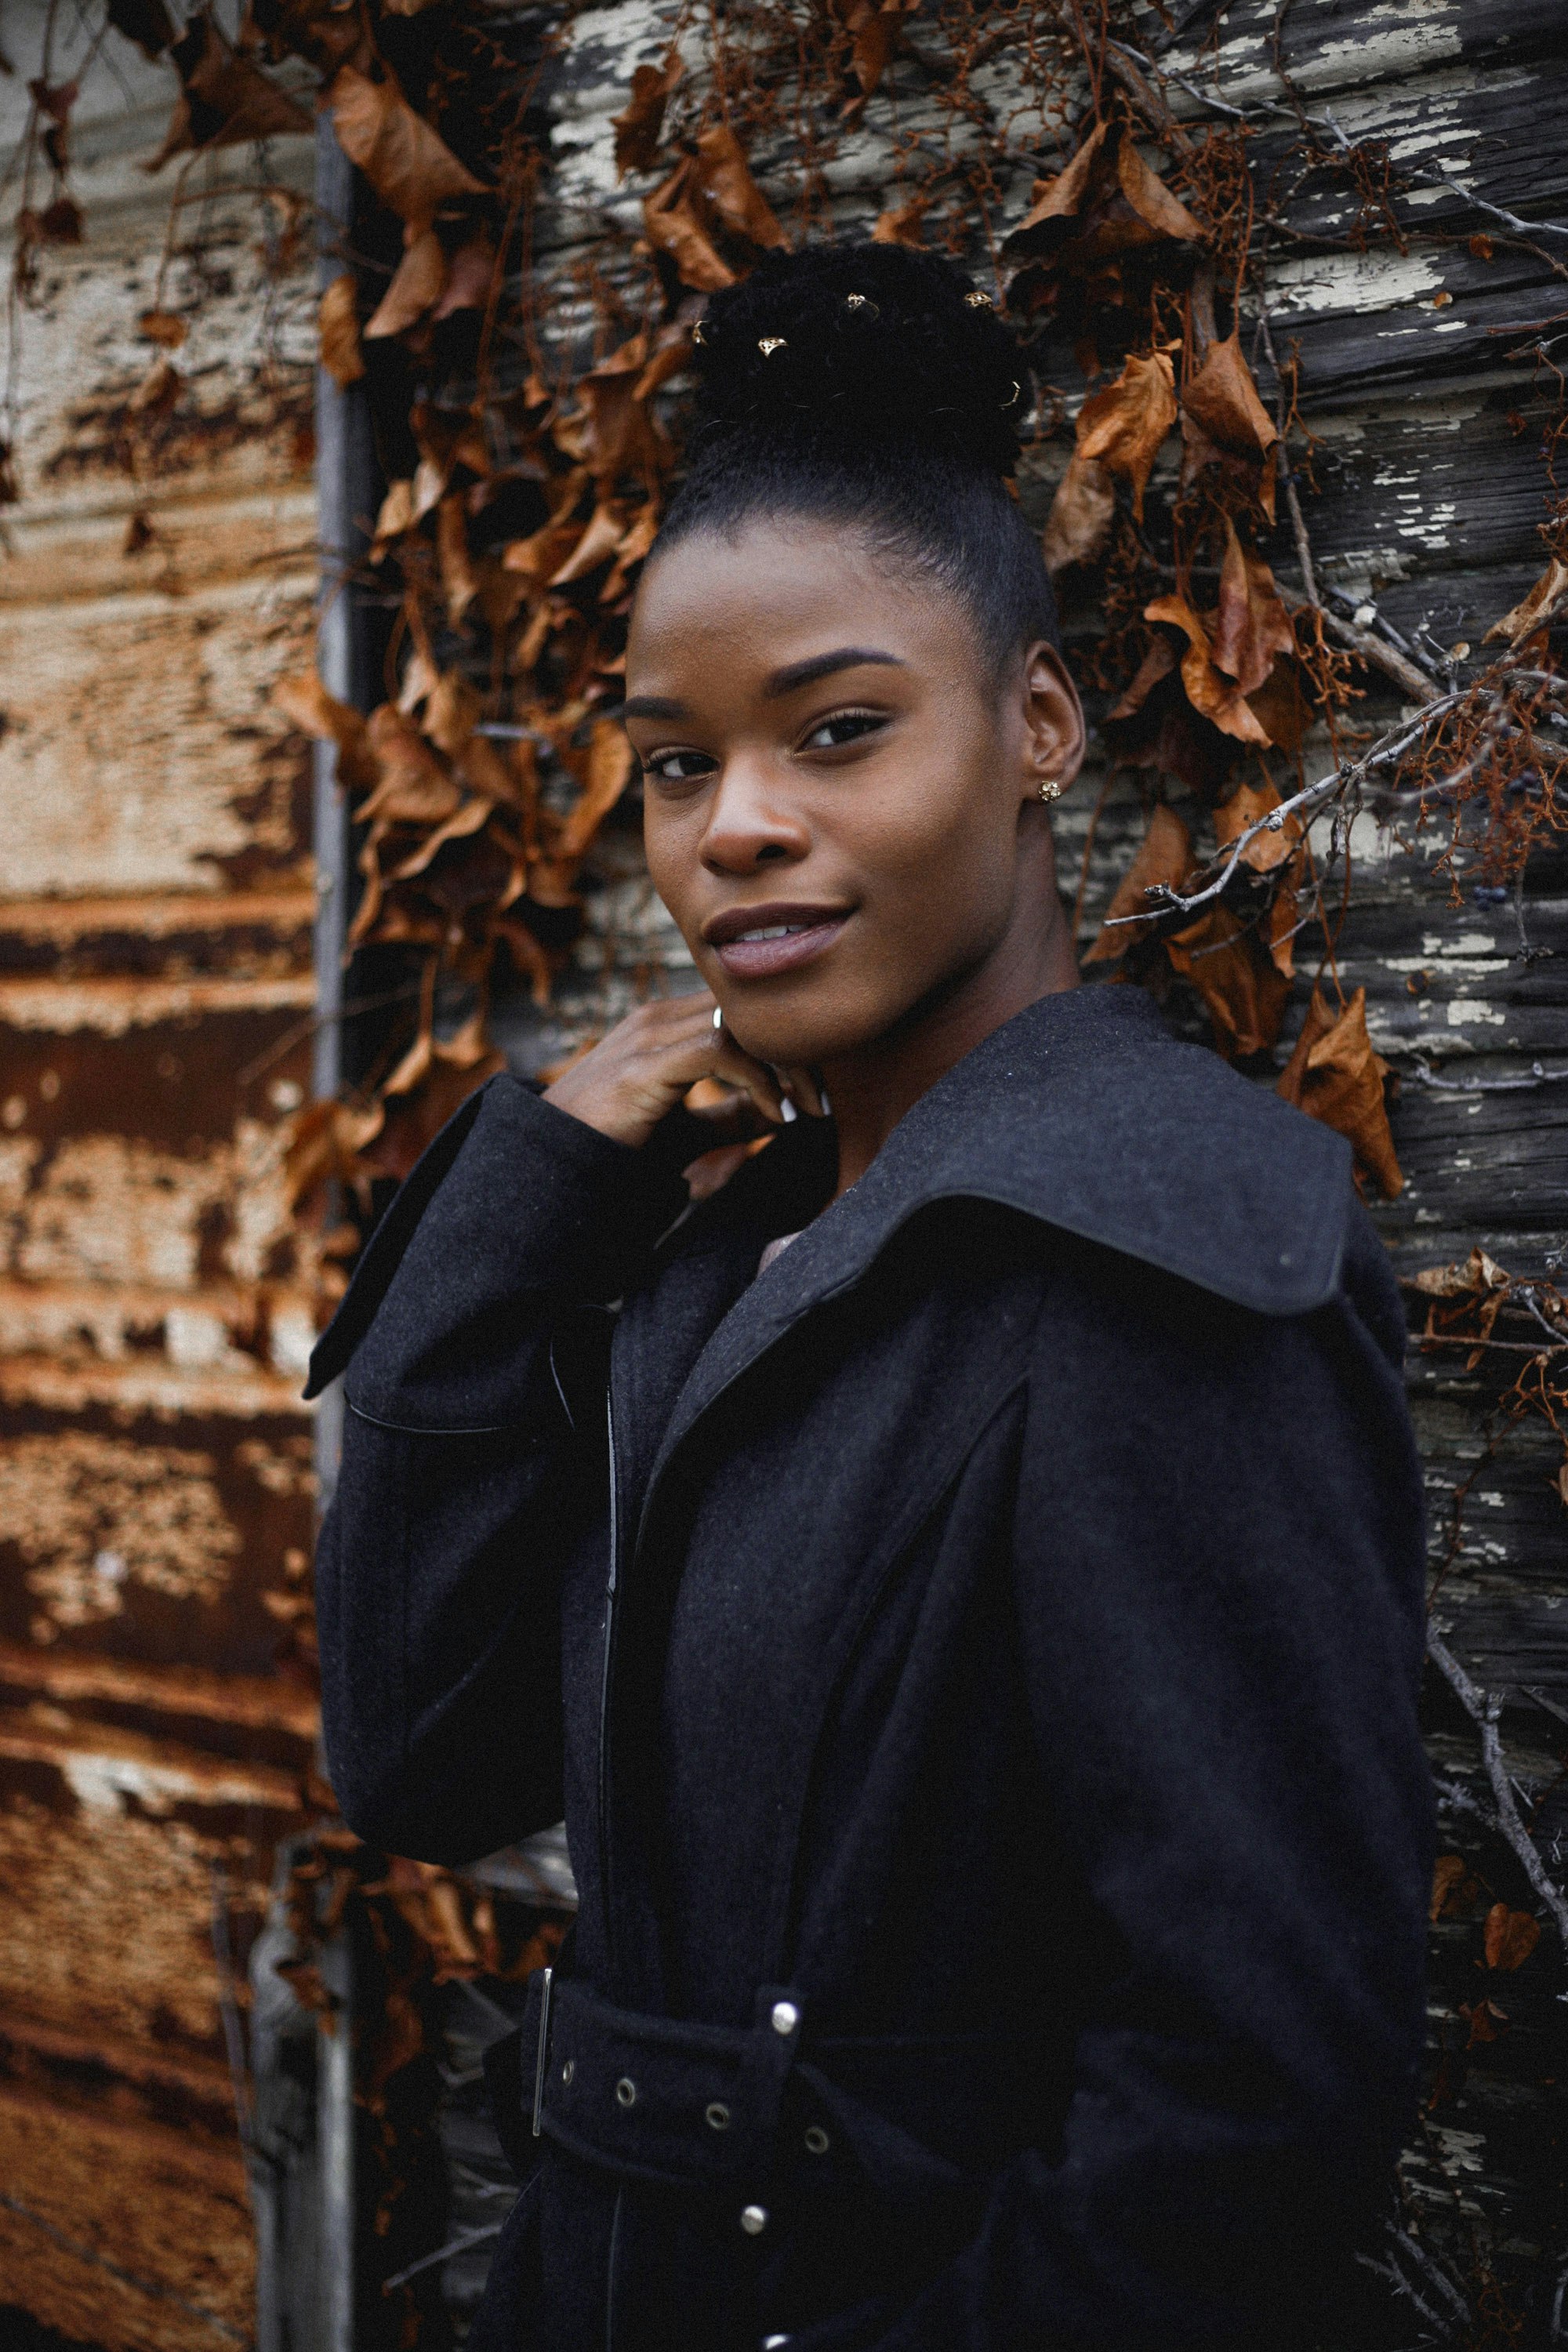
(1053, 723)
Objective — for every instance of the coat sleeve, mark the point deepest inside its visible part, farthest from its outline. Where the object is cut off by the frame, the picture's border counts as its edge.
(1219, 1576)
(472, 1459)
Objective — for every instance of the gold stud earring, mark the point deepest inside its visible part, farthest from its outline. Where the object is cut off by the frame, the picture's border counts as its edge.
(768, 344)
(978, 302)
(1051, 789)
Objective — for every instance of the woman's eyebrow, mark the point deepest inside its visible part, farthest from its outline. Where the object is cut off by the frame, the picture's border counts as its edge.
(795, 675)
(652, 706)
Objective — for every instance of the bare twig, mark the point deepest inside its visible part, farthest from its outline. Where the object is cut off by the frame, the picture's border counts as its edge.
(1303, 805)
(1484, 1707)
(457, 2245)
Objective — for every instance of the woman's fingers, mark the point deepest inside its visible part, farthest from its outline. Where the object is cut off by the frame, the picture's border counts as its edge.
(635, 1076)
(804, 1089)
(735, 1067)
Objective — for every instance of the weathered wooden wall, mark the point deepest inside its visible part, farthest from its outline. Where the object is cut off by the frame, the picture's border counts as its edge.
(155, 909)
(1427, 491)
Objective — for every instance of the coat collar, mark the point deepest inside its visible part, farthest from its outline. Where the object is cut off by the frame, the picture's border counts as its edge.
(1084, 1113)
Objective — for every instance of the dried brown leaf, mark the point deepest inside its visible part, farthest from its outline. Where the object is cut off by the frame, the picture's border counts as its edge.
(1250, 626)
(1223, 399)
(1122, 426)
(322, 1146)
(725, 179)
(337, 321)
(607, 771)
(1532, 612)
(470, 278)
(1448, 1874)
(1156, 664)
(1244, 991)
(542, 552)
(673, 225)
(639, 124)
(224, 101)
(876, 43)
(1165, 855)
(415, 287)
(164, 328)
(306, 704)
(901, 225)
(1081, 514)
(412, 787)
(1511, 1937)
(459, 575)
(1212, 694)
(409, 164)
(601, 540)
(1224, 423)
(1248, 805)
(1479, 1276)
(1335, 1076)
(1107, 201)
(461, 825)
(146, 22)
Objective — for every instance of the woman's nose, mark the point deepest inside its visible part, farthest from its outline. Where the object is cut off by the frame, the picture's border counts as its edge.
(750, 822)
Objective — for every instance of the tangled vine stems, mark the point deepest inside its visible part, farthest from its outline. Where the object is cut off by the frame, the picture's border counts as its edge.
(1504, 705)
(1485, 1711)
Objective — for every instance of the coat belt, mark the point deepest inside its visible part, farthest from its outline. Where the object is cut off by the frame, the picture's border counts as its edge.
(735, 2110)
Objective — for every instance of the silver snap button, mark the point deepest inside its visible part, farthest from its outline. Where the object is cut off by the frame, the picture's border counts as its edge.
(816, 2139)
(569, 2070)
(787, 2016)
(718, 2115)
(753, 2220)
(627, 2091)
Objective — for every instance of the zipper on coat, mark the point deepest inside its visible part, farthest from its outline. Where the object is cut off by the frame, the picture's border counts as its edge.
(610, 1595)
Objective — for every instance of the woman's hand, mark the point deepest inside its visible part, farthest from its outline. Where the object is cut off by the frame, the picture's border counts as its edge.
(635, 1076)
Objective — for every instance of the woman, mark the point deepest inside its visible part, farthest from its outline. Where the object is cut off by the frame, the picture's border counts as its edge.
(961, 1581)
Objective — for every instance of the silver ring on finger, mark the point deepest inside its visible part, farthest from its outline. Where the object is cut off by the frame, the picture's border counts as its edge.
(717, 1018)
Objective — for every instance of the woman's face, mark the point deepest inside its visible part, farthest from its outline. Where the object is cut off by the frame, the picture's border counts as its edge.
(833, 781)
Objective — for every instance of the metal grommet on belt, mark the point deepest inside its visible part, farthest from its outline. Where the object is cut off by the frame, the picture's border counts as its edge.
(787, 2016)
(753, 2220)
(569, 2069)
(627, 2091)
(816, 2139)
(718, 2115)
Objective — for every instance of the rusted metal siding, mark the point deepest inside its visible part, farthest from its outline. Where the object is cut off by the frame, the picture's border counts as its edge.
(155, 994)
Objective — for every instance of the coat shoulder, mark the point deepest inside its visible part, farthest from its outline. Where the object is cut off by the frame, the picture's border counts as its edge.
(1086, 1114)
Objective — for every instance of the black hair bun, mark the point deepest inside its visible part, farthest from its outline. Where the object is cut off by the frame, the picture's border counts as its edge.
(857, 351)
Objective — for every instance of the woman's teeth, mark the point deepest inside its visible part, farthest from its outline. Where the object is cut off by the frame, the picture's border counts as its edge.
(776, 931)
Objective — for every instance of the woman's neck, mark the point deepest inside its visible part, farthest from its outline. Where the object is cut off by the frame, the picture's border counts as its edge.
(871, 1089)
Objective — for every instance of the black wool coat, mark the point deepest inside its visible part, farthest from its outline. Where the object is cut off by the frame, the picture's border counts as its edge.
(976, 1661)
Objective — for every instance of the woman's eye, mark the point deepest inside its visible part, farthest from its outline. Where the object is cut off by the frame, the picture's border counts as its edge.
(843, 727)
(676, 767)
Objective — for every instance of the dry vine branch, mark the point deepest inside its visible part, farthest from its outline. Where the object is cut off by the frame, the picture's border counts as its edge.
(1484, 1709)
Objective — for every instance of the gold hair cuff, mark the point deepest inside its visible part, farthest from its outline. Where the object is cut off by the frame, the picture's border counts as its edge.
(978, 302)
(768, 344)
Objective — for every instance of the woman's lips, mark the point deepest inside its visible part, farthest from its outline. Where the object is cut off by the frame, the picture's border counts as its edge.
(777, 947)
